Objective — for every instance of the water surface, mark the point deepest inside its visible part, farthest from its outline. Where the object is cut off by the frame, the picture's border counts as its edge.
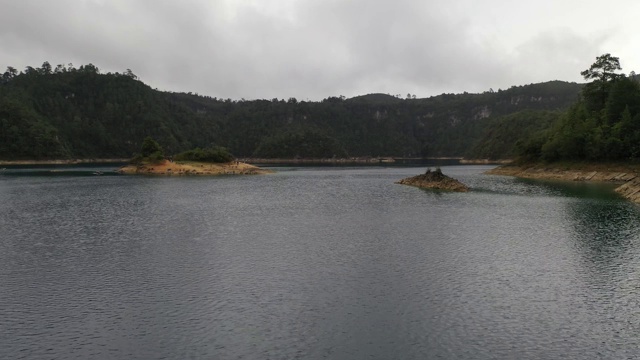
(315, 263)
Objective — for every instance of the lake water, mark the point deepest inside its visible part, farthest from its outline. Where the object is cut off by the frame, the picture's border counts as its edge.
(315, 263)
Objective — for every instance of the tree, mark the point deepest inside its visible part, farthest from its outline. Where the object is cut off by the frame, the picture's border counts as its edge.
(603, 69)
(602, 72)
(9, 74)
(150, 147)
(151, 152)
(12, 71)
(623, 93)
(89, 68)
(130, 74)
(46, 68)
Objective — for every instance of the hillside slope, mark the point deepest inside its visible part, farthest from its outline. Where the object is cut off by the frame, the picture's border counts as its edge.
(80, 113)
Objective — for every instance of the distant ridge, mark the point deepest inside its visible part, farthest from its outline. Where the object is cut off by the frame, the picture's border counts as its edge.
(377, 98)
(70, 113)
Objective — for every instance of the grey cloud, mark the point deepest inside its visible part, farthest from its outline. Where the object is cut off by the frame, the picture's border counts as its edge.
(314, 49)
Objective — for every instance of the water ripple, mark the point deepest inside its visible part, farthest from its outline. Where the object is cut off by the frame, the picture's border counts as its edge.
(316, 263)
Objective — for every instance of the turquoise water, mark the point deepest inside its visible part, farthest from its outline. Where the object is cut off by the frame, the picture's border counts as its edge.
(314, 263)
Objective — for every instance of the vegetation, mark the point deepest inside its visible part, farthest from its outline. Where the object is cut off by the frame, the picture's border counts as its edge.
(500, 139)
(300, 144)
(24, 134)
(211, 155)
(603, 125)
(53, 112)
(151, 152)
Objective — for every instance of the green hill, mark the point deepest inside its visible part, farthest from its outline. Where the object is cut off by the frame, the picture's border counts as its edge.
(81, 113)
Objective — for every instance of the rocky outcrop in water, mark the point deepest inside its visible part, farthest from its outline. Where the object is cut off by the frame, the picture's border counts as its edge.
(435, 180)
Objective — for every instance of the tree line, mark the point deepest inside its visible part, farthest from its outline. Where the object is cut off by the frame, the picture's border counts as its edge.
(67, 112)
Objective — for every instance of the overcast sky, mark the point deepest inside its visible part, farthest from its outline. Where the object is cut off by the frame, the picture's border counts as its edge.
(312, 49)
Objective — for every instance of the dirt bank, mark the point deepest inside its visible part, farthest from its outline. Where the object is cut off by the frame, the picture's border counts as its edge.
(626, 175)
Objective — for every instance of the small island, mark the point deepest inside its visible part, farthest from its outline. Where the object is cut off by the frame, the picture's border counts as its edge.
(209, 161)
(167, 167)
(435, 180)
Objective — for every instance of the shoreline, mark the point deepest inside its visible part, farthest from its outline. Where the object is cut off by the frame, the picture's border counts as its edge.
(485, 161)
(352, 160)
(63, 162)
(373, 160)
(359, 160)
(628, 176)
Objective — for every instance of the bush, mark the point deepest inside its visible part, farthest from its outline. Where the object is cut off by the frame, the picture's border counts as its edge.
(151, 153)
(151, 148)
(214, 154)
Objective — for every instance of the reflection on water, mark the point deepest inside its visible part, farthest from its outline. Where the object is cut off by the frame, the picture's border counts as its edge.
(316, 262)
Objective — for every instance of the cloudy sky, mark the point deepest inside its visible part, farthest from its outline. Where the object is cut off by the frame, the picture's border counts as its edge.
(312, 49)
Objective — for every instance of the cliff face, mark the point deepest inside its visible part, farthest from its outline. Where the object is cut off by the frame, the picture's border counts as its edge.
(435, 180)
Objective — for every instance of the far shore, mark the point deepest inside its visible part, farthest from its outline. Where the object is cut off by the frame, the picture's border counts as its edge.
(627, 175)
(372, 160)
(63, 162)
(485, 161)
(355, 160)
(351, 160)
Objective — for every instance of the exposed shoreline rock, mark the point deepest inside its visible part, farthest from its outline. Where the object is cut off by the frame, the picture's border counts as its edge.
(626, 175)
(630, 190)
(485, 161)
(167, 167)
(352, 160)
(435, 180)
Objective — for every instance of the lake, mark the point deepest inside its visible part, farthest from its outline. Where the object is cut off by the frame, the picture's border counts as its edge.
(315, 263)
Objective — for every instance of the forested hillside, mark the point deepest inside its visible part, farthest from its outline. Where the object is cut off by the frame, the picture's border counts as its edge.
(68, 112)
(603, 125)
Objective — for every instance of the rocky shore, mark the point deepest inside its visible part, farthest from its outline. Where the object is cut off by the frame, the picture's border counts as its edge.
(626, 175)
(434, 180)
(485, 161)
(358, 160)
(193, 168)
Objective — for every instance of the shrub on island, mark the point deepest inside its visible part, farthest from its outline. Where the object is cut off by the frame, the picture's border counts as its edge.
(151, 152)
(215, 154)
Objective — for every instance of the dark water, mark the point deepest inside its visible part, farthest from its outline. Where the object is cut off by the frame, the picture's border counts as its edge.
(315, 263)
